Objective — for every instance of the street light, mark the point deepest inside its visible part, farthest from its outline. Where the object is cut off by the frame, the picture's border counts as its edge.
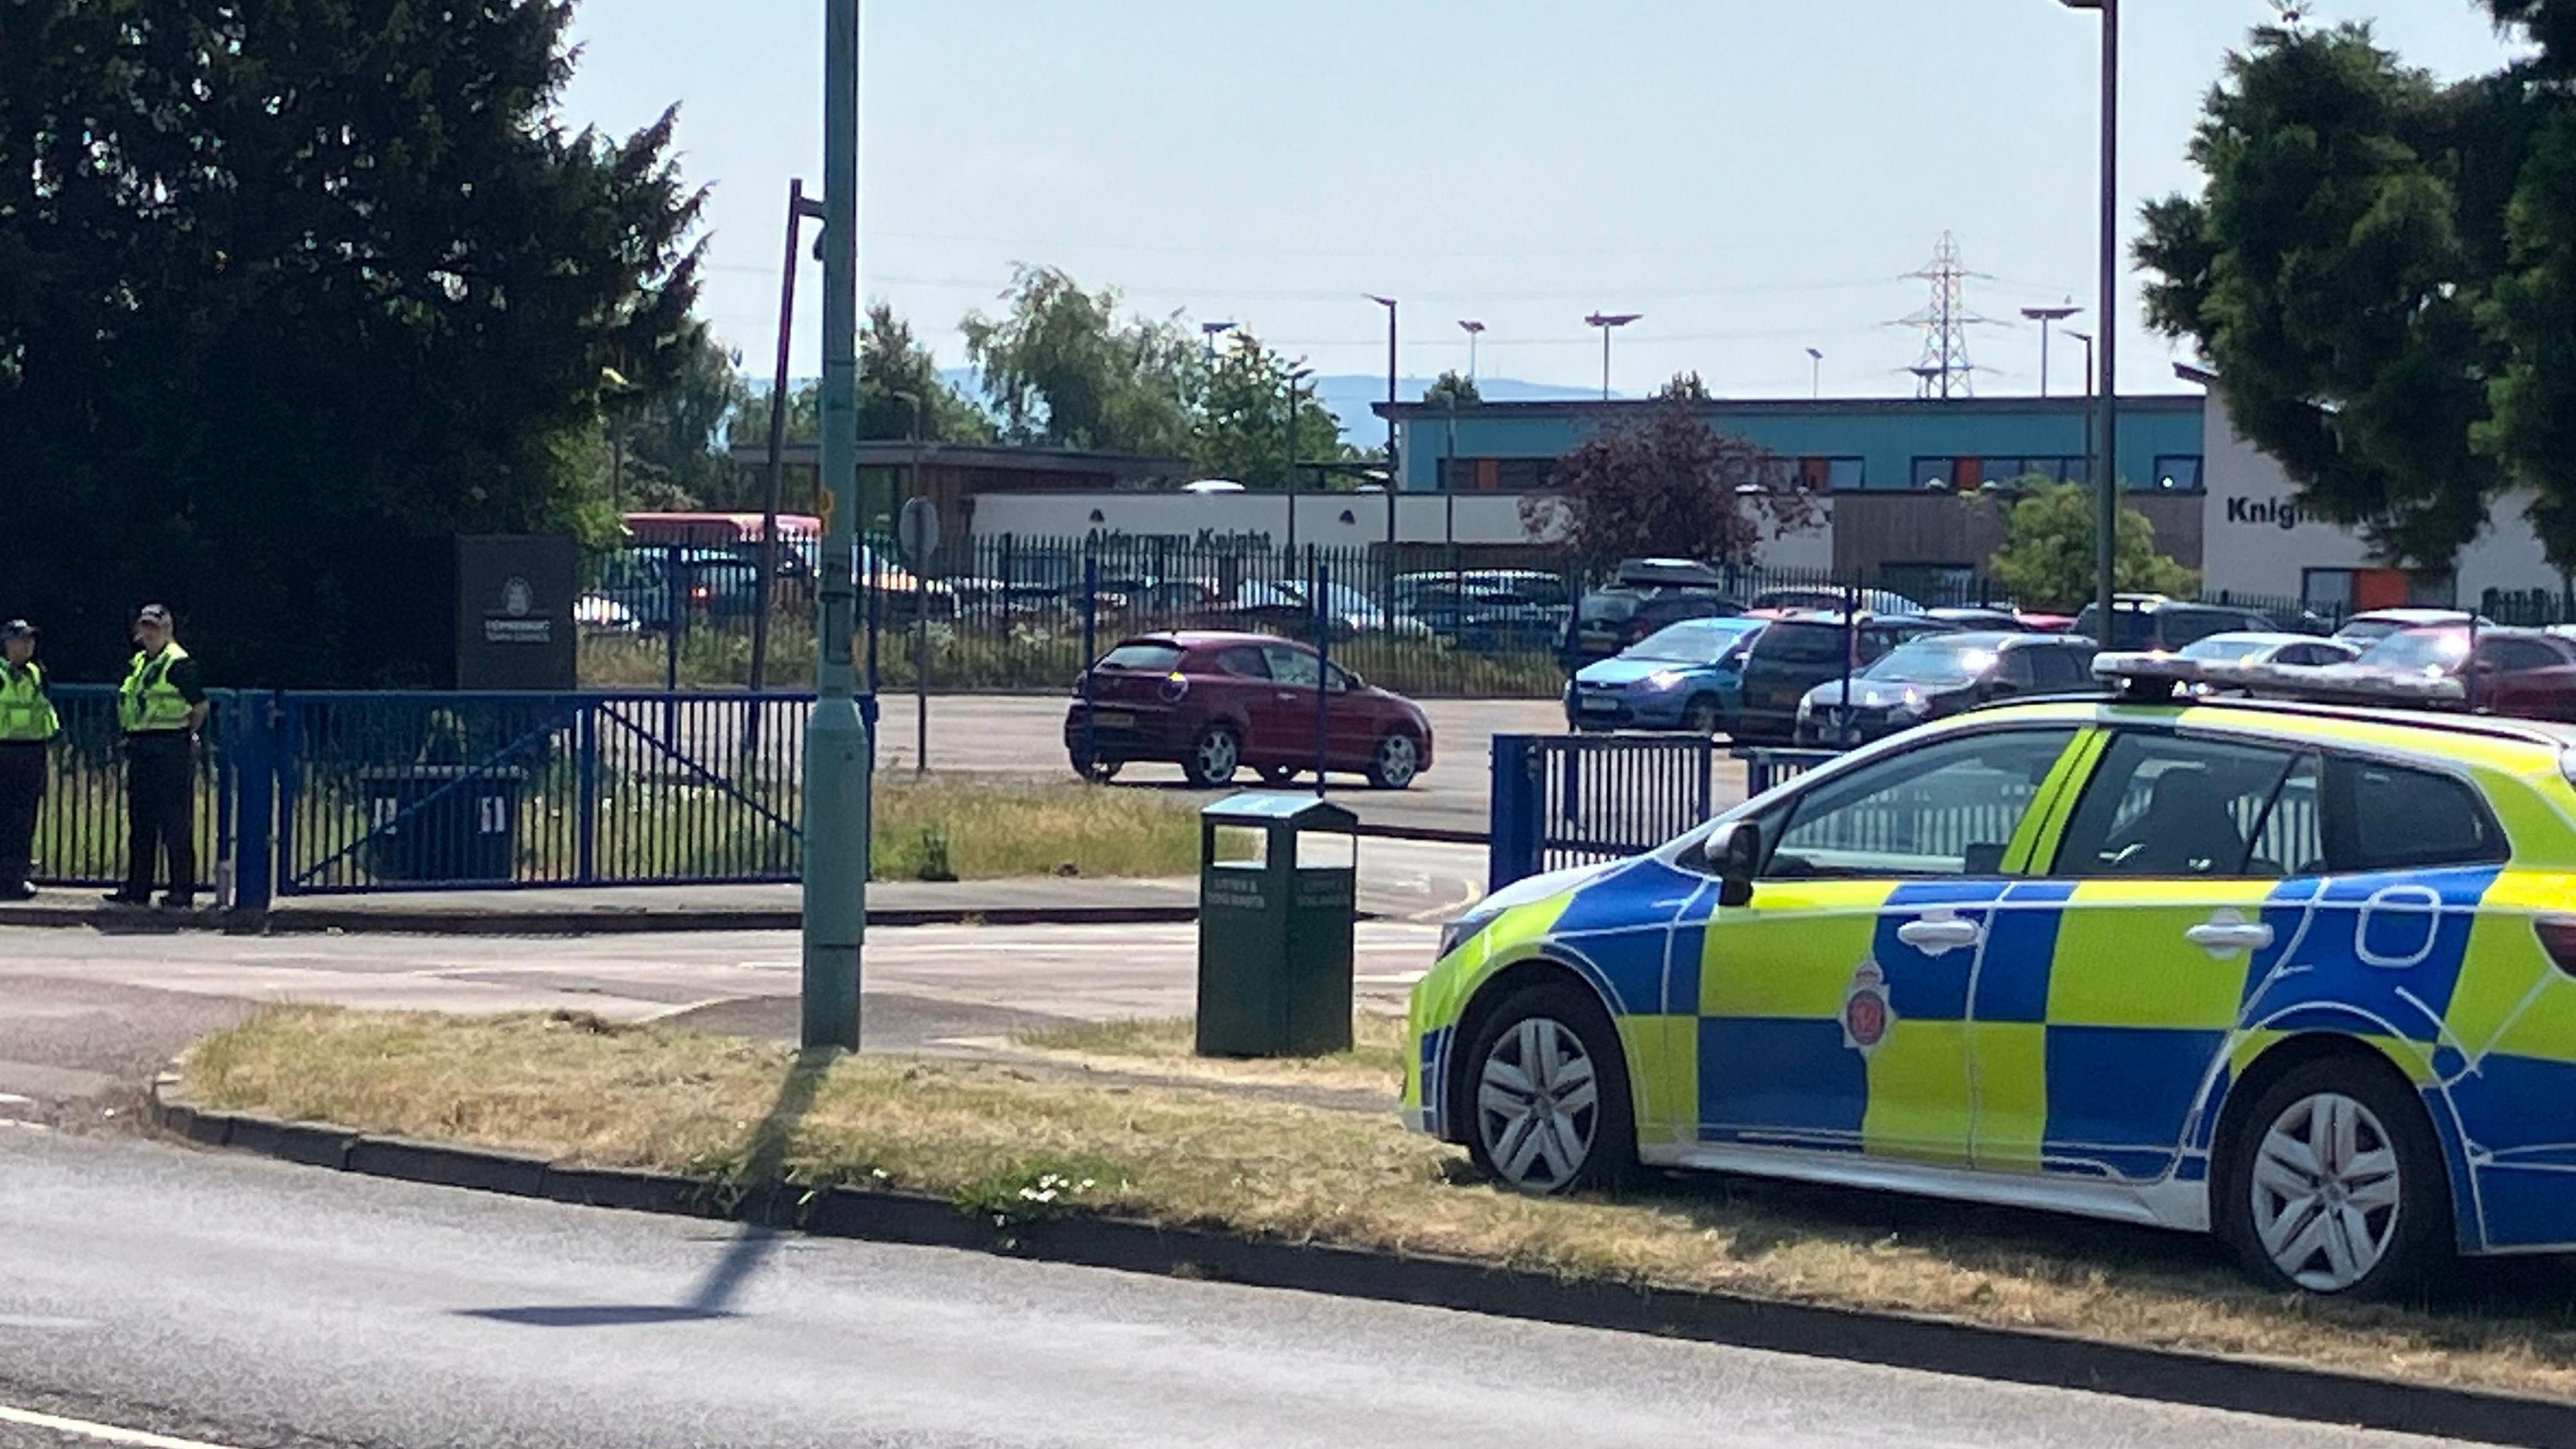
(1607, 322)
(1294, 378)
(2106, 469)
(1391, 475)
(1816, 387)
(2087, 339)
(836, 737)
(1209, 332)
(1474, 330)
(2047, 317)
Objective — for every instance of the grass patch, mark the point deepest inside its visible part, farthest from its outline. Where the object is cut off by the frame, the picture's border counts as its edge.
(1167, 1046)
(956, 827)
(1010, 1140)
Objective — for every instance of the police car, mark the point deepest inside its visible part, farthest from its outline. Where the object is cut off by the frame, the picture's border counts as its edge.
(2297, 974)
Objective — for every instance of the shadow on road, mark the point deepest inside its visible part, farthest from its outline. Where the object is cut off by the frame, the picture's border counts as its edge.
(763, 1168)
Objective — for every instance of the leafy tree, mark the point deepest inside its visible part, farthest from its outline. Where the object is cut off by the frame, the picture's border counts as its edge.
(1667, 485)
(2383, 269)
(1063, 369)
(1452, 389)
(292, 293)
(1239, 426)
(674, 435)
(2047, 559)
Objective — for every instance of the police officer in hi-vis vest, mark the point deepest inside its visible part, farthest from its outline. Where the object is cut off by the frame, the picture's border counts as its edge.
(160, 706)
(27, 726)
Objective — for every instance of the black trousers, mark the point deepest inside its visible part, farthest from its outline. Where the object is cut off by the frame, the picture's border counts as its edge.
(160, 811)
(22, 793)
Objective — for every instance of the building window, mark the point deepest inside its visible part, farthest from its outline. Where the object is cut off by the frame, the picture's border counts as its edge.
(1964, 474)
(2337, 592)
(1813, 474)
(2175, 473)
(1523, 475)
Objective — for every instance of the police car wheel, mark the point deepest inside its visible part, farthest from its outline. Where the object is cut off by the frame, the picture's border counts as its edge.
(1549, 1096)
(2335, 1185)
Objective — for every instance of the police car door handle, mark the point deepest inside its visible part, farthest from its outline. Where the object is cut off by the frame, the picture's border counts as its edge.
(1939, 933)
(2229, 935)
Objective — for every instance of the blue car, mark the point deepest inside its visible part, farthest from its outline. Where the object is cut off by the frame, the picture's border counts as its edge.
(1684, 676)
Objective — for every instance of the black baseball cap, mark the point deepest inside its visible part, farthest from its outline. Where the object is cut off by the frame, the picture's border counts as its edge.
(17, 629)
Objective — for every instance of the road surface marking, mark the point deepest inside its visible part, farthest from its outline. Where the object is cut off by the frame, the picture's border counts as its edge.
(103, 1433)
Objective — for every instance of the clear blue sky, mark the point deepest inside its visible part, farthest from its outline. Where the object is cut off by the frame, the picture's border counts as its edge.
(1753, 176)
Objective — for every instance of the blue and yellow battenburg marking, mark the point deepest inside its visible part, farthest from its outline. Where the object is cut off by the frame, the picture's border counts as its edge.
(2076, 1032)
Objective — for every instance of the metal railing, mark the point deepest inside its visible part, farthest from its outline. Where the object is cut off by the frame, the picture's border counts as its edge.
(1765, 767)
(1565, 800)
(314, 792)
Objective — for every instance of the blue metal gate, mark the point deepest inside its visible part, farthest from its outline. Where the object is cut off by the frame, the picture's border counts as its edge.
(1567, 800)
(315, 792)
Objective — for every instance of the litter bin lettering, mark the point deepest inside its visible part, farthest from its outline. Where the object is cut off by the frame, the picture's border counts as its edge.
(442, 823)
(1275, 935)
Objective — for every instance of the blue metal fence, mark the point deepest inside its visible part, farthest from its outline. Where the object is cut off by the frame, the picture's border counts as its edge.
(1565, 800)
(313, 792)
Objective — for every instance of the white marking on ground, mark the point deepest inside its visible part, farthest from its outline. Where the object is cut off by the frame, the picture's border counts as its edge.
(103, 1433)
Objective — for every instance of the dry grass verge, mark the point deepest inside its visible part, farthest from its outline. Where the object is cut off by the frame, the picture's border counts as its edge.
(949, 826)
(997, 1138)
(1165, 1046)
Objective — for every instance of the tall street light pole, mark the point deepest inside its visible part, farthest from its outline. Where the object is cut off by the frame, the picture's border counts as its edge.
(2087, 339)
(1608, 322)
(1816, 381)
(1474, 329)
(1391, 474)
(836, 738)
(2047, 317)
(1208, 333)
(2106, 468)
(1294, 378)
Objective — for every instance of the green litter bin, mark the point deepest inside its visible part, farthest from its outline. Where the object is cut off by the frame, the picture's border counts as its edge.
(1274, 935)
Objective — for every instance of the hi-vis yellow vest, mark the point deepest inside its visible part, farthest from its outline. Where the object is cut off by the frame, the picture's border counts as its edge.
(25, 713)
(147, 701)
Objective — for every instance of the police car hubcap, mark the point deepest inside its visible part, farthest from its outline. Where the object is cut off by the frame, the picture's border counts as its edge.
(2326, 1192)
(1537, 1104)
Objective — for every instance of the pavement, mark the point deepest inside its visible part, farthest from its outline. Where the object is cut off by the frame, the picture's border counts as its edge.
(230, 1301)
(87, 1017)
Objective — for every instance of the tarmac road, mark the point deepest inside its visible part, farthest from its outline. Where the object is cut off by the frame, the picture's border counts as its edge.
(234, 1302)
(1024, 735)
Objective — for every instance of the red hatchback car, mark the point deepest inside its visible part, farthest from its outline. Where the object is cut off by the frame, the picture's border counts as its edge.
(1213, 703)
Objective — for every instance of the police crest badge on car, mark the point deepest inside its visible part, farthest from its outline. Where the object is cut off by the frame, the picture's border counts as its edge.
(1866, 1014)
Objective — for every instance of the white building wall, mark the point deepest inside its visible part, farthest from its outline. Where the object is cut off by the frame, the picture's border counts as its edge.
(2255, 539)
(1329, 520)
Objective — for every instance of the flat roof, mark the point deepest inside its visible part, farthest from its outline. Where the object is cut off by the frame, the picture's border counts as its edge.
(2160, 402)
(881, 453)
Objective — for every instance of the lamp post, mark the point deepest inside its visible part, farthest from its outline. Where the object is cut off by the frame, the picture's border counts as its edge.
(1608, 322)
(1391, 475)
(920, 570)
(1816, 382)
(836, 737)
(2047, 317)
(1208, 334)
(2087, 339)
(1294, 378)
(1474, 329)
(2106, 468)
